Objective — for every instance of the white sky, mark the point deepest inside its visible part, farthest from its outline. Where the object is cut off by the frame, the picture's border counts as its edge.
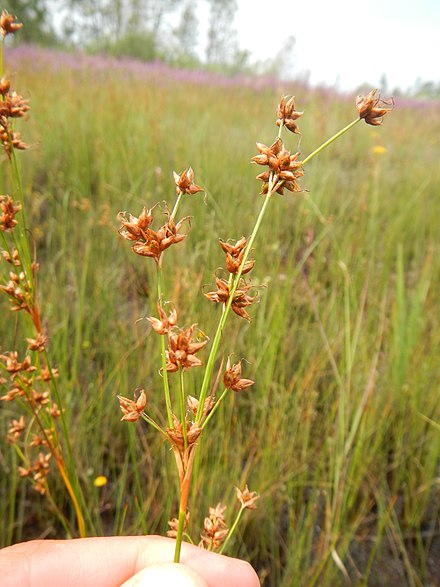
(347, 42)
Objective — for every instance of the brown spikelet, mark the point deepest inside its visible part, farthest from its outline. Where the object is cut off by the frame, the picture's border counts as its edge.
(372, 108)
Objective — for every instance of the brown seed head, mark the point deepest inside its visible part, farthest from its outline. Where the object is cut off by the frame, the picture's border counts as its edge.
(37, 344)
(287, 114)
(13, 105)
(247, 498)
(215, 528)
(150, 243)
(164, 323)
(174, 525)
(9, 24)
(185, 182)
(132, 409)
(240, 298)
(176, 437)
(193, 404)
(13, 366)
(234, 256)
(232, 377)
(284, 169)
(133, 228)
(8, 211)
(371, 107)
(13, 259)
(5, 86)
(15, 429)
(182, 350)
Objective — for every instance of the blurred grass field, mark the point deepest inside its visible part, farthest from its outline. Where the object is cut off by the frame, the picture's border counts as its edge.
(341, 433)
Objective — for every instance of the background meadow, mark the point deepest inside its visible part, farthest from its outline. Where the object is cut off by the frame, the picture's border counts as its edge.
(341, 432)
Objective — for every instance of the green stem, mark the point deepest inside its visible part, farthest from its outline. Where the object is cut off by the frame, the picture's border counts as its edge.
(217, 337)
(166, 385)
(232, 530)
(214, 409)
(176, 206)
(182, 516)
(330, 141)
(182, 407)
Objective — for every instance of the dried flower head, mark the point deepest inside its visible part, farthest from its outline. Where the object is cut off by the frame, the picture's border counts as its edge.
(15, 430)
(176, 436)
(18, 289)
(150, 243)
(13, 259)
(133, 228)
(13, 365)
(232, 377)
(371, 107)
(40, 468)
(9, 24)
(193, 404)
(185, 182)
(132, 409)
(182, 350)
(174, 525)
(8, 211)
(287, 114)
(164, 323)
(284, 169)
(13, 105)
(5, 86)
(37, 344)
(247, 498)
(10, 140)
(234, 256)
(215, 528)
(240, 298)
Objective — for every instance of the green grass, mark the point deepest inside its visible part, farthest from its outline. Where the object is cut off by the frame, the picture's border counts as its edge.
(343, 345)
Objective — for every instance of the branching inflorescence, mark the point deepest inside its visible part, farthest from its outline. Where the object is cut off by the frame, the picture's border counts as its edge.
(30, 380)
(232, 292)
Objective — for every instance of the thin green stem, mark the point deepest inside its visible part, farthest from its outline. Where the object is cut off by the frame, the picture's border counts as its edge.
(176, 206)
(150, 421)
(214, 409)
(182, 407)
(330, 140)
(182, 516)
(166, 385)
(218, 334)
(232, 530)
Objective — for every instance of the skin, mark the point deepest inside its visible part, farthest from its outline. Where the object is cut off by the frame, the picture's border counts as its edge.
(110, 562)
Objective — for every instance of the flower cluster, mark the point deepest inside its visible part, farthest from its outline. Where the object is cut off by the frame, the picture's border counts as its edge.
(148, 242)
(235, 256)
(8, 211)
(232, 377)
(372, 108)
(12, 105)
(181, 352)
(8, 24)
(287, 115)
(132, 409)
(215, 528)
(240, 297)
(284, 169)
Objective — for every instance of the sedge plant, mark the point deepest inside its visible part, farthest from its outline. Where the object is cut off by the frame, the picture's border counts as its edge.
(188, 417)
(40, 435)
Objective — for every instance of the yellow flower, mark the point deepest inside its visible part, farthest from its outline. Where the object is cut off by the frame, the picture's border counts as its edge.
(100, 481)
(379, 150)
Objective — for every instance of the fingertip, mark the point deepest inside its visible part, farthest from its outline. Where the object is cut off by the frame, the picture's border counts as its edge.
(166, 575)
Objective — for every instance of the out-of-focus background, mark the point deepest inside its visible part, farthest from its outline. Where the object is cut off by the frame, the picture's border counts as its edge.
(341, 44)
